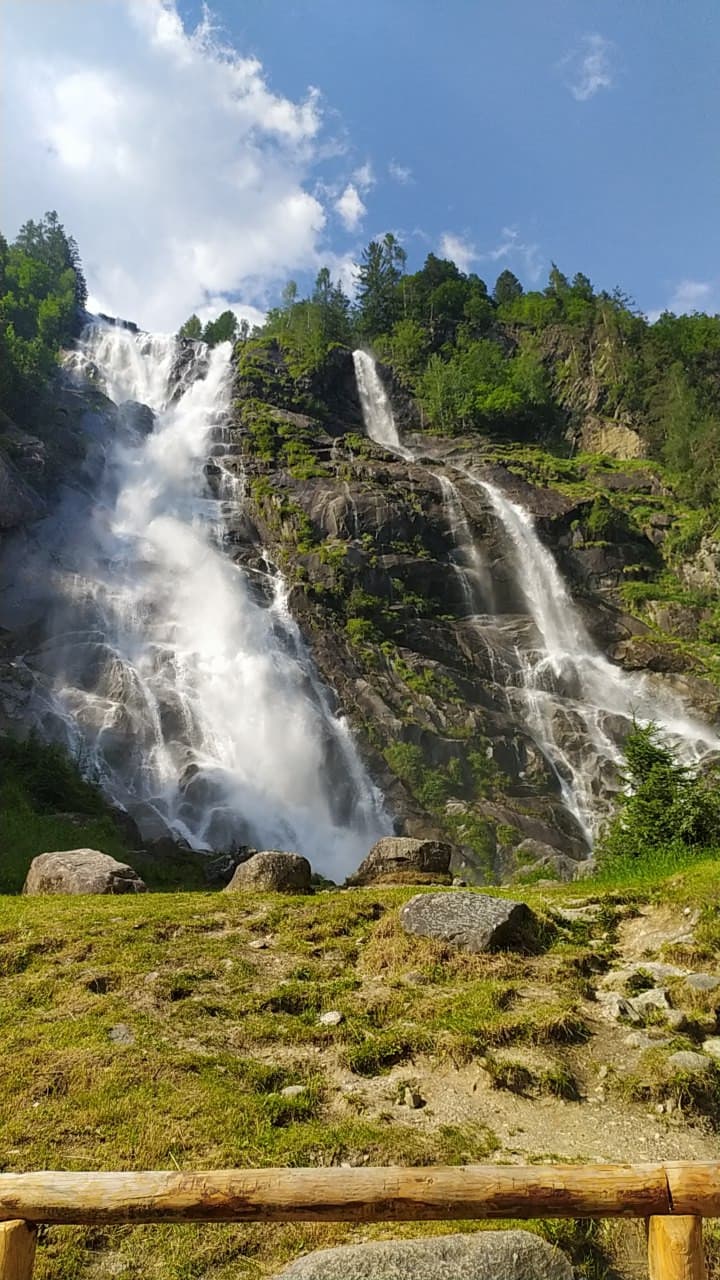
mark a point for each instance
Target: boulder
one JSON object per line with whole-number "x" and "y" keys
{"x": 485, "y": 1255}
{"x": 272, "y": 871}
{"x": 535, "y": 855}
{"x": 81, "y": 871}
{"x": 471, "y": 921}
{"x": 402, "y": 859}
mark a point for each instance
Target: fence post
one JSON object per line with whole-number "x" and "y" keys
{"x": 675, "y": 1248}
{"x": 17, "y": 1250}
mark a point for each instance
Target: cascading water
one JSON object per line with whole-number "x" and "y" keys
{"x": 579, "y": 705}
{"x": 198, "y": 707}
{"x": 472, "y": 572}
{"x": 375, "y": 404}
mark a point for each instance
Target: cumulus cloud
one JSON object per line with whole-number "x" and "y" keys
{"x": 588, "y": 68}
{"x": 458, "y": 249}
{"x": 689, "y": 296}
{"x": 183, "y": 177}
{"x": 400, "y": 173}
{"x": 364, "y": 178}
{"x": 350, "y": 207}
{"x": 523, "y": 252}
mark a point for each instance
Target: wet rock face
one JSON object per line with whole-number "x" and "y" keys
{"x": 80, "y": 871}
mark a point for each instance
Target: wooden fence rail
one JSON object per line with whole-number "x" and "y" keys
{"x": 673, "y": 1197}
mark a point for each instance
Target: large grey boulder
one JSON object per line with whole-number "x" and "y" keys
{"x": 471, "y": 921}
{"x": 485, "y": 1255}
{"x": 401, "y": 858}
{"x": 81, "y": 871}
{"x": 272, "y": 871}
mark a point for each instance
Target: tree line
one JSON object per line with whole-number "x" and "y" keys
{"x": 42, "y": 300}
{"x": 524, "y": 364}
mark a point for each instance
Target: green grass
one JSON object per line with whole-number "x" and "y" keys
{"x": 218, "y": 1030}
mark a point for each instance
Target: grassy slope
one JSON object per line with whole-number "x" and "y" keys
{"x": 218, "y": 1029}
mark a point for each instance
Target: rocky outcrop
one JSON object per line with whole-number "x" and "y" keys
{"x": 19, "y": 503}
{"x": 486, "y": 1255}
{"x": 616, "y": 439}
{"x": 471, "y": 922}
{"x": 401, "y": 860}
{"x": 80, "y": 871}
{"x": 272, "y": 871}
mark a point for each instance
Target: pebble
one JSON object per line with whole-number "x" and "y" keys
{"x": 121, "y": 1034}
{"x": 332, "y": 1018}
{"x": 602, "y": 1072}
{"x": 712, "y": 1047}
{"x": 293, "y": 1091}
{"x": 259, "y": 944}
{"x": 413, "y": 1099}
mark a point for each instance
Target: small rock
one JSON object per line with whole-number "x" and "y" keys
{"x": 293, "y": 1091}
{"x": 474, "y": 922}
{"x": 703, "y": 981}
{"x": 412, "y": 1098}
{"x": 712, "y": 1047}
{"x": 614, "y": 1006}
{"x": 272, "y": 871}
{"x": 603, "y": 1072}
{"x": 332, "y": 1018}
{"x": 121, "y": 1034}
{"x": 686, "y": 1060}
{"x": 655, "y": 998}
{"x": 676, "y": 1020}
{"x": 259, "y": 944}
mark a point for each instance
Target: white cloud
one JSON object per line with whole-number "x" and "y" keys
{"x": 511, "y": 246}
{"x": 181, "y": 174}
{"x": 458, "y": 249}
{"x": 364, "y": 178}
{"x": 588, "y": 68}
{"x": 524, "y": 254}
{"x": 350, "y": 207}
{"x": 400, "y": 172}
{"x": 689, "y": 296}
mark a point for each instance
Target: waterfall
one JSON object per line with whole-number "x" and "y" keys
{"x": 197, "y": 707}
{"x": 579, "y": 705}
{"x": 473, "y": 576}
{"x": 375, "y": 404}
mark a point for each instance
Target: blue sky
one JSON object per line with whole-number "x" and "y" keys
{"x": 513, "y": 134}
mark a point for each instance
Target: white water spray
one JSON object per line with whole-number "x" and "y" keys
{"x": 199, "y": 707}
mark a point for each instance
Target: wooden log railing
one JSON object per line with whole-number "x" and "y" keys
{"x": 673, "y": 1198}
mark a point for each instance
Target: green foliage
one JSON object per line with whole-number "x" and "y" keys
{"x": 223, "y": 329}
{"x": 42, "y": 294}
{"x": 379, "y": 273}
{"x": 192, "y": 328}
{"x": 665, "y": 808}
